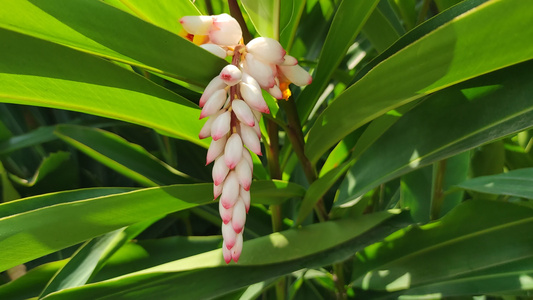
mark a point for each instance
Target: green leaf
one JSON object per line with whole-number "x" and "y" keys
{"x": 48, "y": 78}
{"x": 129, "y": 159}
{"x": 347, "y": 23}
{"x": 100, "y": 29}
{"x": 264, "y": 15}
{"x": 450, "y": 54}
{"x": 40, "y": 135}
{"x": 48, "y": 165}
{"x": 206, "y": 275}
{"x": 381, "y": 27}
{"x": 466, "y": 253}
{"x": 275, "y": 191}
{"x": 290, "y": 15}
{"x": 513, "y": 183}
{"x": 443, "y": 126}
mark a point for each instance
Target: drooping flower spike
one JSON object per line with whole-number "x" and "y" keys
{"x": 233, "y": 102}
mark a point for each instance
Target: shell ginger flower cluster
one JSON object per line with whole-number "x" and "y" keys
{"x": 234, "y": 103}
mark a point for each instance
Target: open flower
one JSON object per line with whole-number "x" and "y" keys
{"x": 233, "y": 103}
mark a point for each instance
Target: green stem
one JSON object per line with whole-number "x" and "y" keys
{"x": 423, "y": 12}
{"x": 438, "y": 190}
{"x": 339, "y": 280}
{"x": 272, "y": 153}
{"x": 277, "y": 6}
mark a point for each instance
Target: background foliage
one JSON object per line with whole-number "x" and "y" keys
{"x": 404, "y": 171}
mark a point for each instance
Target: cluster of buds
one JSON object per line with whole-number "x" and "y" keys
{"x": 234, "y": 103}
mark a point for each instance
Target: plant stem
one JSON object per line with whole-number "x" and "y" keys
{"x": 235, "y": 12}
{"x": 272, "y": 153}
{"x": 423, "y": 12}
{"x": 438, "y": 190}
{"x": 339, "y": 280}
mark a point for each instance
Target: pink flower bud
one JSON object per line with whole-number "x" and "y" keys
{"x": 257, "y": 130}
{"x": 226, "y": 253}
{"x": 206, "y": 129}
{"x": 220, "y": 170}
{"x": 225, "y": 31}
{"x": 197, "y": 24}
{"x": 231, "y": 75}
{"x": 229, "y": 235}
{"x": 225, "y": 213}
{"x": 250, "y": 139}
{"x": 215, "y": 149}
{"x": 259, "y": 71}
{"x": 215, "y": 49}
{"x": 248, "y": 158}
{"x": 221, "y": 126}
{"x": 217, "y": 190}
{"x": 275, "y": 92}
{"x": 296, "y": 75}
{"x": 246, "y": 78}
{"x": 253, "y": 97}
{"x": 237, "y": 248}
{"x": 245, "y": 196}
{"x": 230, "y": 190}
{"x": 289, "y": 61}
{"x": 233, "y": 151}
{"x": 239, "y": 216}
{"x": 267, "y": 50}
{"x": 244, "y": 174}
{"x": 214, "y": 103}
{"x": 214, "y": 85}
{"x": 243, "y": 112}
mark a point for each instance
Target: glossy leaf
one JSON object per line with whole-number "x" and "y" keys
{"x": 98, "y": 28}
{"x": 450, "y": 54}
{"x": 463, "y": 254}
{"x": 48, "y": 78}
{"x": 441, "y": 127}
{"x": 513, "y": 183}
{"x": 264, "y": 15}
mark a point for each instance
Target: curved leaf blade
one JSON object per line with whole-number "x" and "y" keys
{"x": 514, "y": 183}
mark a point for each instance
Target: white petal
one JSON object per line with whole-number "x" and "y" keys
{"x": 215, "y": 149}
{"x": 275, "y": 92}
{"x": 236, "y": 250}
{"x": 267, "y": 50}
{"x": 239, "y": 216}
{"x": 214, "y": 103}
{"x": 226, "y": 253}
{"x": 259, "y": 71}
{"x": 214, "y": 85}
{"x": 244, "y": 174}
{"x": 225, "y": 31}
{"x": 230, "y": 191}
{"x": 233, "y": 151}
{"x": 220, "y": 170}
{"x": 231, "y": 75}
{"x": 247, "y": 78}
{"x": 197, "y": 24}
{"x": 221, "y": 126}
{"x": 250, "y": 139}
{"x": 296, "y": 75}
{"x": 243, "y": 112}
{"x": 225, "y": 213}
{"x": 215, "y": 49}
{"x": 245, "y": 196}
{"x": 290, "y": 61}
{"x": 229, "y": 235}
{"x": 248, "y": 158}
{"x": 253, "y": 97}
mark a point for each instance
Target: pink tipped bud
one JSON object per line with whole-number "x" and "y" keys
{"x": 248, "y": 158}
{"x": 215, "y": 149}
{"x": 243, "y": 112}
{"x": 214, "y": 103}
{"x": 275, "y": 92}
{"x": 296, "y": 75}
{"x": 220, "y": 170}
{"x": 206, "y": 129}
{"x": 246, "y": 78}
{"x": 267, "y": 50}
{"x": 237, "y": 248}
{"x": 257, "y": 130}
{"x": 231, "y": 75}
{"x": 217, "y": 190}
{"x": 250, "y": 139}
{"x": 244, "y": 174}
{"x": 229, "y": 235}
{"x": 245, "y": 196}
{"x": 239, "y": 216}
{"x": 214, "y": 85}
{"x": 226, "y": 30}
{"x": 225, "y": 213}
{"x": 233, "y": 151}
{"x": 226, "y": 253}
{"x": 290, "y": 61}
{"x": 259, "y": 71}
{"x": 215, "y": 49}
{"x": 197, "y": 24}
{"x": 253, "y": 97}
{"x": 230, "y": 190}
{"x": 221, "y": 126}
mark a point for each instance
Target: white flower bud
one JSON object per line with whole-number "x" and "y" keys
{"x": 221, "y": 125}
{"x": 214, "y": 85}
{"x": 215, "y": 49}
{"x": 220, "y": 170}
{"x": 246, "y": 78}
{"x": 289, "y": 61}
{"x": 296, "y": 75}
{"x": 239, "y": 216}
{"x": 226, "y": 253}
{"x": 229, "y": 235}
{"x": 267, "y": 50}
{"x": 215, "y": 149}
{"x": 275, "y": 92}
{"x": 244, "y": 174}
{"x": 259, "y": 71}
{"x": 231, "y": 75}
{"x": 245, "y": 196}
{"x": 206, "y": 129}
{"x": 230, "y": 190}
{"x": 213, "y": 104}
{"x": 250, "y": 139}
{"x": 236, "y": 250}
{"x": 233, "y": 151}
{"x": 225, "y": 31}
{"x": 253, "y": 97}
{"x": 248, "y": 158}
{"x": 225, "y": 213}
{"x": 197, "y": 24}
{"x": 243, "y": 112}
{"x": 217, "y": 190}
